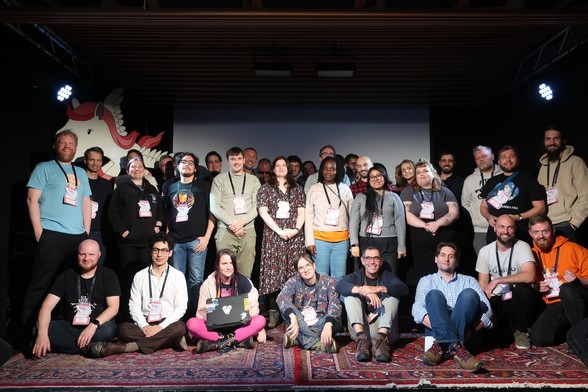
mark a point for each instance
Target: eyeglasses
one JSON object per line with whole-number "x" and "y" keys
{"x": 263, "y": 173}
{"x": 369, "y": 259}
{"x": 163, "y": 251}
{"x": 331, "y": 154}
{"x": 189, "y": 163}
{"x": 376, "y": 177}
{"x": 303, "y": 268}
{"x": 213, "y": 161}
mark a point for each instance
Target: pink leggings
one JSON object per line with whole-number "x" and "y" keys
{"x": 197, "y": 328}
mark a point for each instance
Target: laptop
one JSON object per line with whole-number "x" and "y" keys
{"x": 227, "y": 312}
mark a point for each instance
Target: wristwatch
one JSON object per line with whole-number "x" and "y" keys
{"x": 520, "y": 217}
{"x": 96, "y": 322}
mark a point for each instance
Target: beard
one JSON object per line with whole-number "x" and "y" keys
{"x": 554, "y": 155}
{"x": 65, "y": 156}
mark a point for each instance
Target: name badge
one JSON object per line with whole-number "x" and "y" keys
{"x": 239, "y": 205}
{"x": 144, "y": 209}
{"x": 427, "y": 210}
{"x": 283, "y": 210}
{"x": 552, "y": 195}
{"x": 332, "y": 218}
{"x": 83, "y": 312}
{"x": 71, "y": 196}
{"x": 375, "y": 228}
{"x": 155, "y": 312}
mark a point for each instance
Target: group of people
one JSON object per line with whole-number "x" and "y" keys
{"x": 530, "y": 278}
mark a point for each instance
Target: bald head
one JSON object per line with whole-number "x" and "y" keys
{"x": 364, "y": 164}
{"x": 88, "y": 255}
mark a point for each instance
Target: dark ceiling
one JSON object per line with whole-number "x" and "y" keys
{"x": 166, "y": 52}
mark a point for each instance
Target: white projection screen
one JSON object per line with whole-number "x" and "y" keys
{"x": 387, "y": 134}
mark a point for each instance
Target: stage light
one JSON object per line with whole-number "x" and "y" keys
{"x": 64, "y": 93}
{"x": 335, "y": 70}
{"x": 276, "y": 69}
{"x": 545, "y": 92}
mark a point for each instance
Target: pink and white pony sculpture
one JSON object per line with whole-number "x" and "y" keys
{"x": 101, "y": 124}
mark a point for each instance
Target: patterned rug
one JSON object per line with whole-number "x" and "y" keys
{"x": 269, "y": 367}
{"x": 550, "y": 367}
{"x": 266, "y": 366}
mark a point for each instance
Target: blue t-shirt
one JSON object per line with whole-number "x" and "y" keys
{"x": 56, "y": 215}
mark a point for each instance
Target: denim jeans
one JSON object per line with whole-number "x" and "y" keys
{"x": 64, "y": 336}
{"x": 331, "y": 258}
{"x": 449, "y": 325}
{"x": 184, "y": 253}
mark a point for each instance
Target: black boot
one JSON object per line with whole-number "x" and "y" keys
{"x": 225, "y": 342}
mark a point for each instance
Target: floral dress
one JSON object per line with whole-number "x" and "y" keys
{"x": 277, "y": 254}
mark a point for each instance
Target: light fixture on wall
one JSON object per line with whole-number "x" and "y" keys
{"x": 335, "y": 69}
{"x": 272, "y": 68}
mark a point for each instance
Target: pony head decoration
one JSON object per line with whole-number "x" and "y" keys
{"x": 101, "y": 124}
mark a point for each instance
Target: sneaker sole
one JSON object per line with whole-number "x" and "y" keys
{"x": 522, "y": 347}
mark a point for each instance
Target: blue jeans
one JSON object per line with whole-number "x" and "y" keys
{"x": 449, "y": 325}
{"x": 64, "y": 336}
{"x": 185, "y": 253}
{"x": 331, "y": 258}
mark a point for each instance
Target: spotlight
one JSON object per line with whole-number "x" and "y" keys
{"x": 545, "y": 92}
{"x": 276, "y": 69}
{"x": 64, "y": 93}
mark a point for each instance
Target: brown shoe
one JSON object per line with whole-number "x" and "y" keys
{"x": 381, "y": 349}
{"x": 464, "y": 359}
{"x": 112, "y": 348}
{"x": 363, "y": 348}
{"x": 434, "y": 355}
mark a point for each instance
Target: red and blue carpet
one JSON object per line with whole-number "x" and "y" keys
{"x": 269, "y": 367}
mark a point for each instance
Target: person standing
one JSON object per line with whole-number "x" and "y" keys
{"x": 60, "y": 209}
{"x": 362, "y": 166}
{"x": 378, "y": 219}
{"x": 189, "y": 221}
{"x": 451, "y": 306}
{"x": 513, "y": 192}
{"x": 249, "y": 160}
{"x": 87, "y": 298}
{"x": 326, "y": 151}
{"x": 431, "y": 211}
{"x": 101, "y": 194}
{"x": 233, "y": 201}
{"x": 451, "y": 180}
{"x": 565, "y": 178}
{"x": 136, "y": 215}
{"x": 311, "y": 307}
{"x": 326, "y": 228}
{"x": 281, "y": 205}
{"x": 472, "y": 188}
{"x": 562, "y": 282}
{"x": 214, "y": 164}
{"x": 506, "y": 270}
{"x": 371, "y": 296}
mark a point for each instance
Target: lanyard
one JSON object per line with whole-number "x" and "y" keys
{"x": 162, "y": 287}
{"x": 509, "y": 260}
{"x": 382, "y": 203}
{"x": 338, "y": 193}
{"x": 65, "y": 174}
{"x": 483, "y": 180}
{"x": 423, "y": 195}
{"x": 89, "y": 294}
{"x": 232, "y": 186}
{"x": 556, "y": 261}
{"x": 555, "y": 173}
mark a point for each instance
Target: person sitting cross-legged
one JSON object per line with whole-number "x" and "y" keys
{"x": 223, "y": 282}
{"x": 84, "y": 301}
{"x": 159, "y": 299}
{"x": 451, "y": 306}
{"x": 371, "y": 297}
{"x": 311, "y": 307}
